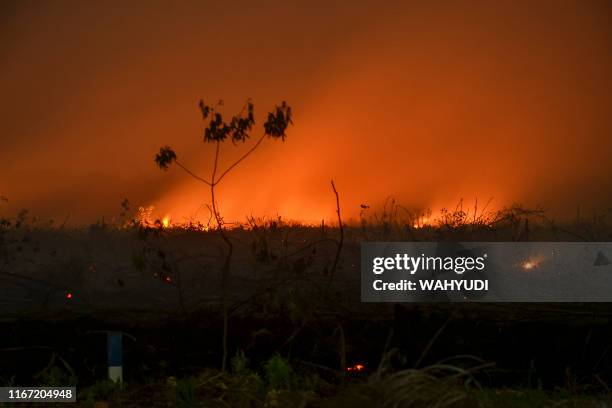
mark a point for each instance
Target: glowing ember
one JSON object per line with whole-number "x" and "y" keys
{"x": 356, "y": 368}
{"x": 529, "y": 264}
{"x": 68, "y": 295}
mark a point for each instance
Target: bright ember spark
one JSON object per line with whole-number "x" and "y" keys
{"x": 529, "y": 265}
{"x": 356, "y": 367}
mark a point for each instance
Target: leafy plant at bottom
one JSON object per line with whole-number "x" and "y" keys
{"x": 186, "y": 393}
{"x": 278, "y": 372}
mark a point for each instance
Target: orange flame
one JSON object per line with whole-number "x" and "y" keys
{"x": 166, "y": 221}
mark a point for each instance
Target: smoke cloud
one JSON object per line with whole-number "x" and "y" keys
{"x": 427, "y": 102}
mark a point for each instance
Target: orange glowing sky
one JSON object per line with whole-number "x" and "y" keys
{"x": 424, "y": 101}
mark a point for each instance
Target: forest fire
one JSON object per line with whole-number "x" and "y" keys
{"x": 334, "y": 136}
{"x": 290, "y": 204}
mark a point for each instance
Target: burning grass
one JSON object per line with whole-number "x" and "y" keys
{"x": 308, "y": 340}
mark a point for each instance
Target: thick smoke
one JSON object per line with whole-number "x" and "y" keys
{"x": 423, "y": 101}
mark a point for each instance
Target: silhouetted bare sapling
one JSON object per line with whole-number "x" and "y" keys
{"x": 217, "y": 131}
{"x": 341, "y": 241}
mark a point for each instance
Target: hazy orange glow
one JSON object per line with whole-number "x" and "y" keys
{"x": 427, "y": 102}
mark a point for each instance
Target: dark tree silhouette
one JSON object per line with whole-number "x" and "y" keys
{"x": 237, "y": 129}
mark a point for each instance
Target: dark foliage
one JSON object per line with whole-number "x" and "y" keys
{"x": 237, "y": 128}
{"x": 165, "y": 157}
{"x": 278, "y": 121}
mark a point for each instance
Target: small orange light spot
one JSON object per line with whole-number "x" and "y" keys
{"x": 68, "y": 295}
{"x": 356, "y": 367}
{"x": 168, "y": 279}
{"x": 529, "y": 265}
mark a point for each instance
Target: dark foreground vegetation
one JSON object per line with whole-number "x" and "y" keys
{"x": 297, "y": 334}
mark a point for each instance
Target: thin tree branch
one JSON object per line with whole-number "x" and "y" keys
{"x": 244, "y": 156}
{"x": 226, "y": 265}
{"x": 244, "y": 106}
{"x": 216, "y": 163}
{"x": 212, "y": 191}
{"x": 337, "y": 258}
{"x": 195, "y": 176}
